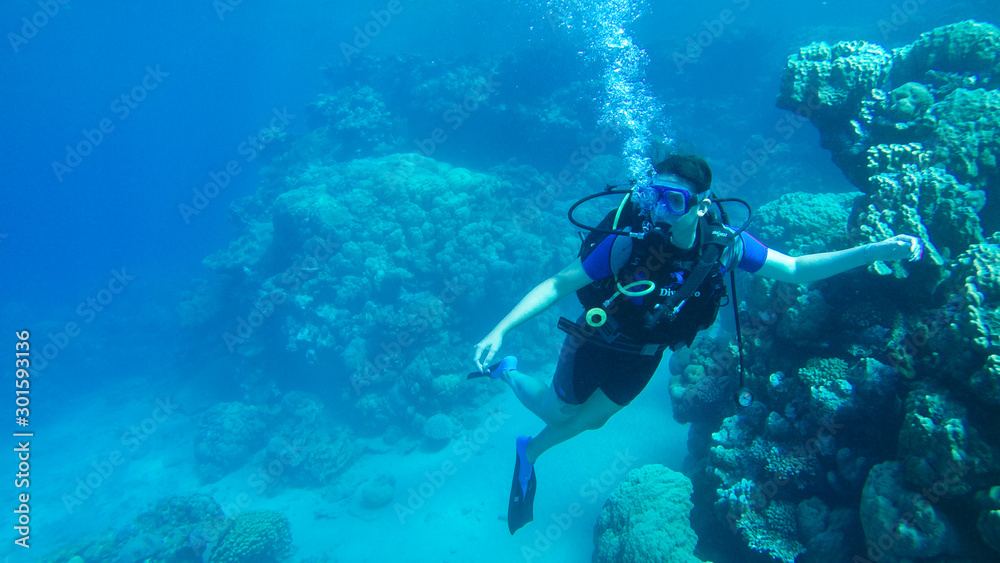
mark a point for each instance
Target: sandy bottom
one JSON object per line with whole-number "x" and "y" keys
{"x": 449, "y": 505}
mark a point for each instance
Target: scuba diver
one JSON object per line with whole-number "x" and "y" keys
{"x": 650, "y": 277}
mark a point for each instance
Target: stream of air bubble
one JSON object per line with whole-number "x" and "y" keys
{"x": 628, "y": 107}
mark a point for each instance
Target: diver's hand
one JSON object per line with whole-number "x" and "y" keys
{"x": 900, "y": 247}
{"x": 487, "y": 349}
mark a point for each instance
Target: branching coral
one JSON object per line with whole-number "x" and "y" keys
{"x": 773, "y": 532}
{"x": 893, "y": 158}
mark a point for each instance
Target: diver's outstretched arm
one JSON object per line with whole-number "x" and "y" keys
{"x": 543, "y": 296}
{"x": 812, "y": 267}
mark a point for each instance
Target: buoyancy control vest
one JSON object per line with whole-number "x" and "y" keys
{"x": 676, "y": 310}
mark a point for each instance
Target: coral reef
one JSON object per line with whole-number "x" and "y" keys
{"x": 988, "y": 522}
{"x": 229, "y": 433}
{"x": 833, "y": 80}
{"x": 957, "y": 50}
{"x": 374, "y": 262}
{"x": 799, "y": 223}
{"x": 968, "y": 146}
{"x": 773, "y": 532}
{"x": 958, "y": 341}
{"x": 912, "y": 354}
{"x": 900, "y": 521}
{"x": 703, "y": 379}
{"x": 263, "y": 536}
{"x": 476, "y": 103}
{"x": 357, "y": 122}
{"x": 645, "y": 519}
{"x": 922, "y": 150}
{"x": 176, "y": 528}
{"x": 941, "y": 448}
{"x": 929, "y": 204}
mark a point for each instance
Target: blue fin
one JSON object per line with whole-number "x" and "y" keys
{"x": 522, "y": 489}
{"x": 507, "y": 364}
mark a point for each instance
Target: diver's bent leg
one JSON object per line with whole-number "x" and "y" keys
{"x": 591, "y": 415}
{"x": 536, "y": 396}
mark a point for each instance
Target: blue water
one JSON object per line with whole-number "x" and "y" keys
{"x": 179, "y": 87}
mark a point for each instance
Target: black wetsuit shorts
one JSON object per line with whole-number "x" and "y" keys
{"x": 585, "y": 367}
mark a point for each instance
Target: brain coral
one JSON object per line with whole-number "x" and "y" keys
{"x": 909, "y": 102}
{"x": 439, "y": 428}
{"x": 646, "y": 519}
{"x": 254, "y": 537}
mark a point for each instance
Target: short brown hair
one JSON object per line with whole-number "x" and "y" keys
{"x": 692, "y": 168}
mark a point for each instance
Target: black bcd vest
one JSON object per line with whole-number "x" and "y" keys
{"x": 668, "y": 267}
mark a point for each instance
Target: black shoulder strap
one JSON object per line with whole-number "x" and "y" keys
{"x": 714, "y": 238}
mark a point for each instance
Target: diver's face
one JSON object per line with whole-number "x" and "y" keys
{"x": 677, "y": 205}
